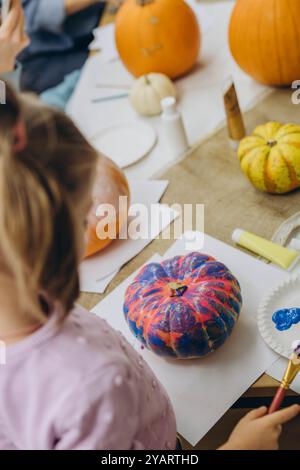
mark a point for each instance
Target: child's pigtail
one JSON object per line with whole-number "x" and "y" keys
{"x": 37, "y": 238}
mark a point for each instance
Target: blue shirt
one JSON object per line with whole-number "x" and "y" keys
{"x": 56, "y": 97}
{"x": 59, "y": 43}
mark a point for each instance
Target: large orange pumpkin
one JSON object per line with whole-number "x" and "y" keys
{"x": 160, "y": 36}
{"x": 111, "y": 183}
{"x": 264, "y": 38}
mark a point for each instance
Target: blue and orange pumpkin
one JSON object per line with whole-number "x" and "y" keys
{"x": 185, "y": 307}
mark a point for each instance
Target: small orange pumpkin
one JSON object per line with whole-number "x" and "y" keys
{"x": 161, "y": 36}
{"x": 264, "y": 38}
{"x": 111, "y": 183}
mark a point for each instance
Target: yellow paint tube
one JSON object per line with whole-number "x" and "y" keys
{"x": 284, "y": 257}
{"x": 235, "y": 122}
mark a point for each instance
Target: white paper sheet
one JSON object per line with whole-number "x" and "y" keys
{"x": 97, "y": 287}
{"x": 200, "y": 95}
{"x": 104, "y": 266}
{"x": 202, "y": 390}
{"x": 107, "y": 263}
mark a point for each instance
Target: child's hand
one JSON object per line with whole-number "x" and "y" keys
{"x": 259, "y": 431}
{"x": 12, "y": 37}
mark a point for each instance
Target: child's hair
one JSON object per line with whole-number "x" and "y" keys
{"x": 40, "y": 188}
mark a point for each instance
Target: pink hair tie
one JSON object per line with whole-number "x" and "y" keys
{"x": 20, "y": 137}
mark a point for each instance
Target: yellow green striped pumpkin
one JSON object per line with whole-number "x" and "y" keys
{"x": 270, "y": 157}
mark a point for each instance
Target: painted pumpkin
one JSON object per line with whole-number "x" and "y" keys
{"x": 148, "y": 91}
{"x": 184, "y": 307}
{"x": 160, "y": 36}
{"x": 111, "y": 183}
{"x": 270, "y": 158}
{"x": 264, "y": 38}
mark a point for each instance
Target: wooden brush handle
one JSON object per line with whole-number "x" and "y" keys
{"x": 277, "y": 400}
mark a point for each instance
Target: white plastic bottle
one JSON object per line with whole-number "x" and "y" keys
{"x": 174, "y": 130}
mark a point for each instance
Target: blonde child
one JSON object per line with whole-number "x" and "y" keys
{"x": 70, "y": 381}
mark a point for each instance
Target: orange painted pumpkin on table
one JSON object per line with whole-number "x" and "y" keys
{"x": 110, "y": 184}
{"x": 264, "y": 38}
{"x": 161, "y": 36}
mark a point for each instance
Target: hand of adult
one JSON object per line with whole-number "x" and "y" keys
{"x": 13, "y": 38}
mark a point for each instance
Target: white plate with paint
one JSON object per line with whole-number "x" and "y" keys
{"x": 285, "y": 296}
{"x": 125, "y": 143}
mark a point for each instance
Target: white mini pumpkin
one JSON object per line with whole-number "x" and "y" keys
{"x": 148, "y": 91}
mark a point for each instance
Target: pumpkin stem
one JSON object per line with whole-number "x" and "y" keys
{"x": 142, "y": 3}
{"x": 177, "y": 289}
{"x": 272, "y": 143}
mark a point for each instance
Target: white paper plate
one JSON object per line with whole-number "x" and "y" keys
{"x": 286, "y": 294}
{"x": 125, "y": 143}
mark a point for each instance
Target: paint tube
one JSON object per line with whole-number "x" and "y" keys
{"x": 283, "y": 257}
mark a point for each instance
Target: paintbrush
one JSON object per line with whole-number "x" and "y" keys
{"x": 113, "y": 86}
{"x": 290, "y": 374}
{"x": 110, "y": 98}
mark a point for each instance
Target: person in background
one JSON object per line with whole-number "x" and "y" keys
{"x": 70, "y": 381}
{"x": 60, "y": 32}
{"x": 13, "y": 38}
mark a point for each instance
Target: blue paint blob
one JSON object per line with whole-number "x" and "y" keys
{"x": 286, "y": 317}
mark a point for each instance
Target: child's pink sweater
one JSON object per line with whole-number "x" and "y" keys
{"x": 81, "y": 387}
